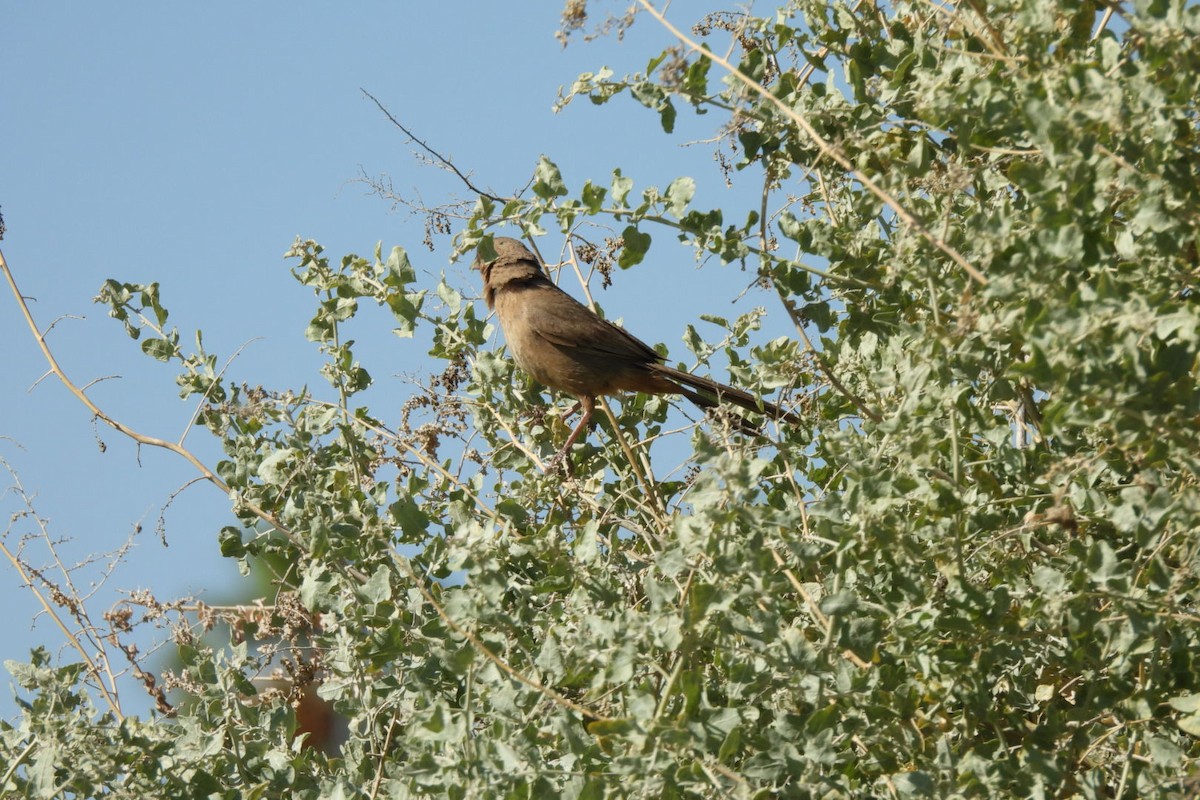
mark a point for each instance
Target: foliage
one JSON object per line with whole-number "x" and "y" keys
{"x": 974, "y": 573}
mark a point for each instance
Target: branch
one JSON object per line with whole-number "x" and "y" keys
{"x": 445, "y": 162}
{"x": 37, "y": 586}
{"x": 825, "y": 147}
{"x": 858, "y": 402}
{"x": 119, "y": 427}
{"x": 1103, "y": 23}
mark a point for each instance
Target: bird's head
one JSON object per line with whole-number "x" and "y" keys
{"x": 512, "y": 263}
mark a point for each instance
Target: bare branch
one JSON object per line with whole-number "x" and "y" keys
{"x": 120, "y": 427}
{"x": 445, "y": 162}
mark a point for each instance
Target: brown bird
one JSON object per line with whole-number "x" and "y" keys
{"x": 563, "y": 344}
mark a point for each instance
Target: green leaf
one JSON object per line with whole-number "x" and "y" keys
{"x": 695, "y": 82}
{"x": 914, "y": 784}
{"x": 230, "y": 540}
{"x": 159, "y": 349}
{"x": 399, "y": 269}
{"x": 548, "y": 180}
{"x": 317, "y": 591}
{"x": 840, "y": 603}
{"x": 378, "y": 588}
{"x": 593, "y": 196}
{"x": 654, "y": 97}
{"x": 621, "y": 186}
{"x": 277, "y": 467}
{"x": 636, "y": 245}
{"x": 789, "y": 226}
{"x": 1187, "y": 703}
{"x": 679, "y": 195}
{"x": 1190, "y": 725}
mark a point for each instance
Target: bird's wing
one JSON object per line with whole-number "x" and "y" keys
{"x": 561, "y": 323}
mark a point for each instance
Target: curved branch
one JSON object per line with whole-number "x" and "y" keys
{"x": 122, "y": 428}
{"x": 825, "y": 147}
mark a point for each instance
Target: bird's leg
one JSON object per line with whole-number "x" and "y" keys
{"x": 588, "y": 404}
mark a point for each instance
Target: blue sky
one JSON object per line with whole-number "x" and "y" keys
{"x": 190, "y": 145}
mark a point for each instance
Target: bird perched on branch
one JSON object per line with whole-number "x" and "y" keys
{"x": 563, "y": 344}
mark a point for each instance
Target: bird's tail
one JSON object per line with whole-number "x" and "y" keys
{"x": 708, "y": 394}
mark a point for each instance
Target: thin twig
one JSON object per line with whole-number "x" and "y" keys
{"x": 120, "y": 427}
{"x": 429, "y": 463}
{"x": 387, "y": 743}
{"x": 813, "y": 607}
{"x": 993, "y": 41}
{"x": 70, "y": 600}
{"x": 445, "y": 162}
{"x": 113, "y": 702}
{"x": 514, "y": 440}
{"x": 18, "y": 761}
{"x": 833, "y": 220}
{"x": 858, "y": 402}
{"x": 216, "y": 382}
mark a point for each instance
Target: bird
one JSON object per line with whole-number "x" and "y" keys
{"x": 563, "y": 344}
